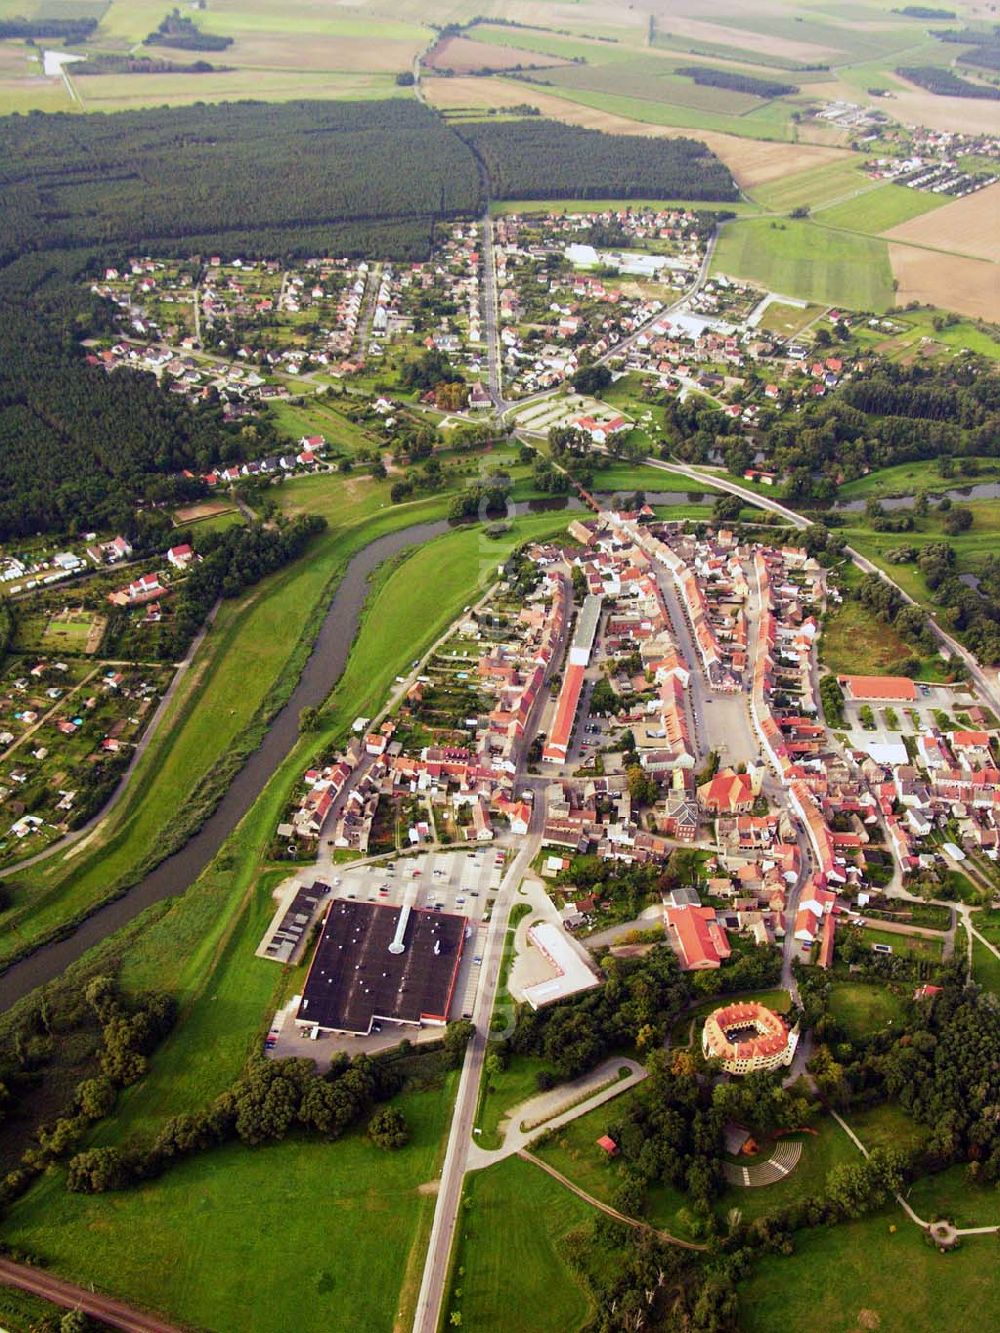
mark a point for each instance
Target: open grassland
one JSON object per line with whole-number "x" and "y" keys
{"x": 855, "y": 640}
{"x": 917, "y": 336}
{"x": 874, "y": 211}
{"x": 508, "y": 1252}
{"x": 863, "y": 1008}
{"x": 985, "y": 967}
{"x": 969, "y": 226}
{"x": 878, "y": 1273}
{"x": 816, "y": 185}
{"x": 809, "y": 262}
{"x": 349, "y": 1213}
{"x": 912, "y": 478}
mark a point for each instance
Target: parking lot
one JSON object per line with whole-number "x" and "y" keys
{"x": 463, "y": 882}
{"x": 913, "y": 719}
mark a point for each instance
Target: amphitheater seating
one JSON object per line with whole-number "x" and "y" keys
{"x": 781, "y": 1163}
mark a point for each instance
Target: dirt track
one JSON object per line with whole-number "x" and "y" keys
{"x": 72, "y": 1297}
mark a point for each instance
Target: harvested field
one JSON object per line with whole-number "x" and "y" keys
{"x": 743, "y": 39}
{"x": 751, "y": 161}
{"x": 464, "y": 55}
{"x": 208, "y": 509}
{"x": 966, "y": 115}
{"x": 311, "y": 51}
{"x": 967, "y": 286}
{"x": 969, "y": 226}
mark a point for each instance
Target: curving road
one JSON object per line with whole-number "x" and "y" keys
{"x": 71, "y": 1297}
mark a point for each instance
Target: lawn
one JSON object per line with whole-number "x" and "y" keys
{"x": 952, "y": 1195}
{"x": 573, "y": 1151}
{"x": 985, "y": 966}
{"x": 863, "y": 1008}
{"x": 348, "y": 1216}
{"x": 507, "y": 1269}
{"x": 915, "y": 947}
{"x": 878, "y": 1273}
{"x": 797, "y": 258}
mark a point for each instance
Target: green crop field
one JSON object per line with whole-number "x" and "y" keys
{"x": 876, "y": 210}
{"x": 812, "y": 263}
{"x": 874, "y": 1274}
{"x": 508, "y": 1252}
{"x": 811, "y": 188}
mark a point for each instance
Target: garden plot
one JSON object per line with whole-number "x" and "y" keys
{"x": 564, "y": 411}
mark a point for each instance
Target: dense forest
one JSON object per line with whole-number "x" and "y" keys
{"x": 946, "y": 84}
{"x": 77, "y": 444}
{"x": 735, "y": 82}
{"x": 542, "y": 159}
{"x": 180, "y": 178}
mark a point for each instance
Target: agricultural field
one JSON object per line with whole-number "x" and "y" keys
{"x": 811, "y": 263}
{"x": 876, "y": 211}
{"x": 964, "y": 226}
{"x": 951, "y": 282}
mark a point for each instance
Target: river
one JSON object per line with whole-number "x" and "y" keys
{"x": 984, "y": 490}
{"x": 172, "y": 876}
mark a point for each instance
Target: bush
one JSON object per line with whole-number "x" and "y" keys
{"x": 388, "y": 1129}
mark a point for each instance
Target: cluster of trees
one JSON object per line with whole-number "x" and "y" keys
{"x": 945, "y": 83}
{"x": 181, "y": 31}
{"x": 636, "y": 1006}
{"x": 105, "y": 64}
{"x": 735, "y": 82}
{"x": 231, "y": 561}
{"x": 543, "y": 158}
{"x": 130, "y": 1030}
{"x": 908, "y": 621}
{"x": 832, "y": 699}
{"x": 68, "y": 31}
{"x": 262, "y": 1106}
{"x": 271, "y": 1099}
{"x": 487, "y": 498}
{"x": 974, "y": 613}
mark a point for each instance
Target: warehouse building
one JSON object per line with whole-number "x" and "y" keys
{"x": 377, "y": 963}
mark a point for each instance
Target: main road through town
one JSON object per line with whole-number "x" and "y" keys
{"x": 449, "y": 1197}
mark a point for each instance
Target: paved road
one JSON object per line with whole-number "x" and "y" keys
{"x": 432, "y": 1286}
{"x": 115, "y": 1313}
{"x": 625, "y": 343}
{"x": 987, "y": 688}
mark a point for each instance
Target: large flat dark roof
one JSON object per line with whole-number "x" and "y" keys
{"x": 355, "y": 980}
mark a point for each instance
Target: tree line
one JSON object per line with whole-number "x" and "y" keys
{"x": 738, "y": 83}
{"x": 539, "y": 159}
{"x": 945, "y": 83}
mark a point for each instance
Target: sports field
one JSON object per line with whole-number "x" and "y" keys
{"x": 806, "y": 261}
